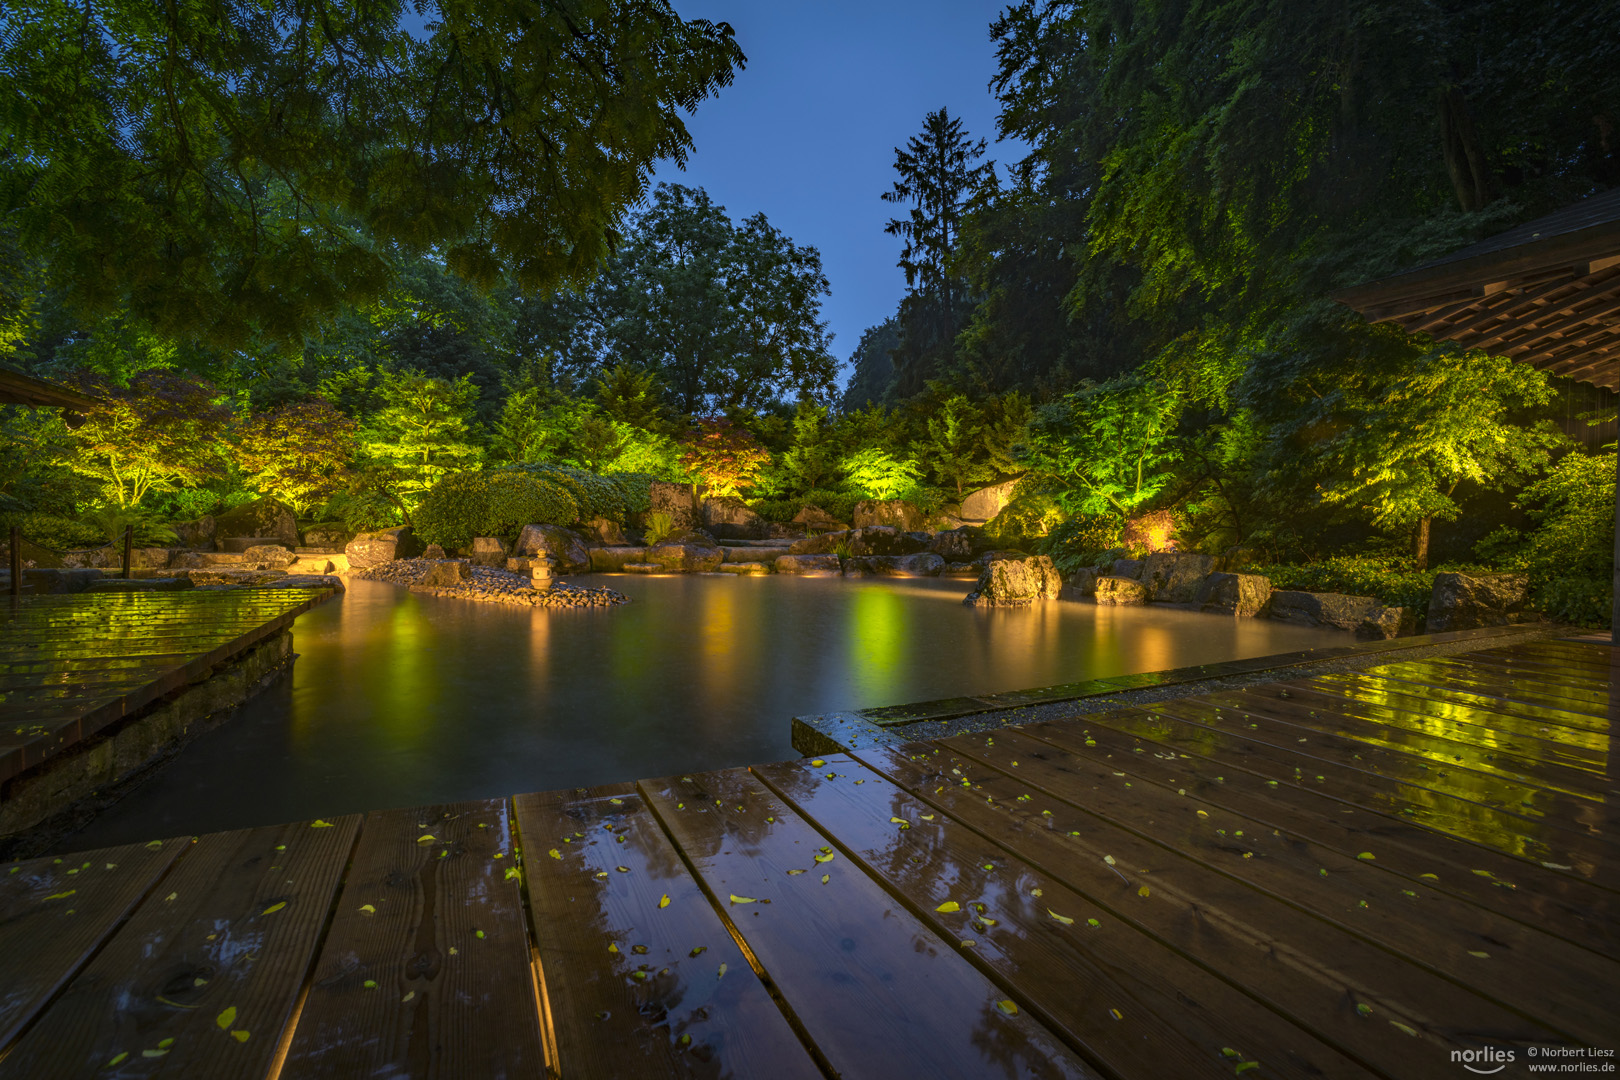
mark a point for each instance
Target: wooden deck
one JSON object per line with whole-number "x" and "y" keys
{"x": 70, "y": 665}
{"x": 1347, "y": 875}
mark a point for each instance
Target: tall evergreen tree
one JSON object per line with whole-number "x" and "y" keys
{"x": 938, "y": 177}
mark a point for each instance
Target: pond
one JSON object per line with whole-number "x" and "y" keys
{"x": 401, "y": 699}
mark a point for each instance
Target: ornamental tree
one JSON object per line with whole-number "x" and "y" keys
{"x": 722, "y": 456}
{"x": 878, "y": 474}
{"x": 159, "y": 431}
{"x": 296, "y": 453}
{"x": 423, "y": 433}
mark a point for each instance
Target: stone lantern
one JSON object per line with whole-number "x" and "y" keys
{"x": 540, "y": 568}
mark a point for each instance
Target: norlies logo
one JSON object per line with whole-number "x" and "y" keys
{"x": 1484, "y": 1062}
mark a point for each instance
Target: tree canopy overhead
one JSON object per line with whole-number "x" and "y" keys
{"x": 224, "y": 168}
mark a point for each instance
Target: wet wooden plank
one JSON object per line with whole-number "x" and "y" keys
{"x": 1510, "y": 806}
{"x": 223, "y": 946}
{"x": 1471, "y": 721}
{"x": 633, "y": 983}
{"x": 1517, "y": 967}
{"x": 1301, "y": 967}
{"x": 1538, "y": 693}
{"x": 425, "y": 971}
{"x": 1427, "y": 737}
{"x": 1174, "y": 1018}
{"x": 1561, "y": 904}
{"x": 1567, "y": 674}
{"x": 1512, "y": 844}
{"x": 878, "y": 992}
{"x": 1542, "y": 716}
{"x": 55, "y": 913}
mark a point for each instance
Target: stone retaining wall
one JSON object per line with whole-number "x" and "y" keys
{"x": 55, "y": 788}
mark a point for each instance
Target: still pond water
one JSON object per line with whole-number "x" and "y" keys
{"x": 399, "y": 699}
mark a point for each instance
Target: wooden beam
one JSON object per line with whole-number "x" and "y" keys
{"x": 1527, "y": 301}
{"x": 1536, "y": 334}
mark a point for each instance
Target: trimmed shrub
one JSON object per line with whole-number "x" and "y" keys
{"x": 50, "y": 531}
{"x": 497, "y": 503}
{"x": 596, "y": 496}
{"x": 1389, "y": 578}
{"x": 636, "y": 488}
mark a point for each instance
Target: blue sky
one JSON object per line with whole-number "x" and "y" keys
{"x": 807, "y": 133}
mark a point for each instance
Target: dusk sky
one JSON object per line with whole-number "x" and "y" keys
{"x": 807, "y": 133}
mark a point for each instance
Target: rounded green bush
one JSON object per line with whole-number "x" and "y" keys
{"x": 596, "y": 496}
{"x": 499, "y": 503}
{"x": 637, "y": 490}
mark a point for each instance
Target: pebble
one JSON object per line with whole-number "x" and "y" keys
{"x": 492, "y": 585}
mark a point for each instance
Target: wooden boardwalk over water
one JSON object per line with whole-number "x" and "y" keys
{"x": 1346, "y": 875}
{"x": 72, "y": 665}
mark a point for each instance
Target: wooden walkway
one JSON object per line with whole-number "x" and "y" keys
{"x": 1341, "y": 876}
{"x": 70, "y": 665}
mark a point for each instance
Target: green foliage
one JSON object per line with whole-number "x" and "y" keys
{"x": 1113, "y": 443}
{"x": 1082, "y": 541}
{"x": 296, "y": 452}
{"x": 1406, "y": 441}
{"x": 635, "y": 489}
{"x": 1569, "y": 549}
{"x": 595, "y": 496}
{"x": 159, "y": 431}
{"x": 725, "y": 315}
{"x": 54, "y": 531}
{"x": 1390, "y": 578}
{"x": 813, "y": 456}
{"x": 109, "y": 522}
{"x": 422, "y": 433}
{"x": 878, "y": 474}
{"x": 228, "y": 166}
{"x": 659, "y": 526}
{"x": 723, "y": 456}
{"x": 1023, "y": 522}
{"x": 496, "y": 503}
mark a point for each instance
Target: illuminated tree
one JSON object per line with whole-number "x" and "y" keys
{"x": 423, "y": 432}
{"x": 160, "y": 431}
{"x": 723, "y": 456}
{"x": 296, "y": 453}
{"x": 878, "y": 474}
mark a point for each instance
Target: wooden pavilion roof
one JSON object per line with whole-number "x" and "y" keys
{"x": 19, "y": 389}
{"x": 1546, "y": 293}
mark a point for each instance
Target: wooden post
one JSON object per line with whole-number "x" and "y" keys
{"x": 129, "y": 541}
{"x": 16, "y": 561}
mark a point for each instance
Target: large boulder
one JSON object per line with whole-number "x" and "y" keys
{"x": 268, "y": 557}
{"x": 566, "y": 547}
{"x": 1387, "y": 622}
{"x": 330, "y": 534}
{"x": 953, "y": 545}
{"x": 902, "y": 515}
{"x": 924, "y": 564}
{"x": 820, "y": 544}
{"x": 691, "y": 551}
{"x": 370, "y": 549}
{"x": 1468, "y": 601}
{"x": 1173, "y": 578}
{"x": 605, "y": 532}
{"x": 756, "y": 552}
{"x": 197, "y": 534}
{"x": 1082, "y": 585}
{"x": 447, "y": 574}
{"x": 1323, "y": 609}
{"x": 1117, "y": 591}
{"x": 604, "y": 560}
{"x": 1127, "y": 568}
{"x": 1016, "y": 582}
{"x": 984, "y": 559}
{"x": 982, "y": 505}
{"x": 678, "y": 501}
{"x": 884, "y": 540}
{"x": 809, "y": 565}
{"x": 489, "y": 551}
{"x": 1235, "y": 594}
{"x": 815, "y": 519}
{"x": 728, "y": 518}
{"x": 267, "y": 517}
